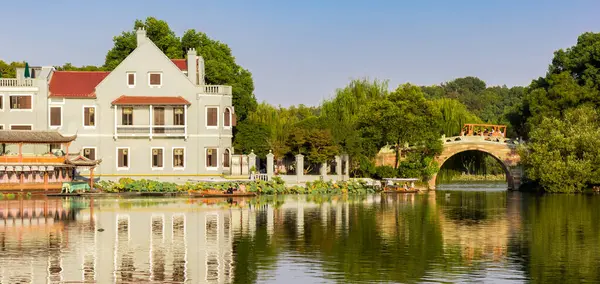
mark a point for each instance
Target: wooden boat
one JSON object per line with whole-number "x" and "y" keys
{"x": 401, "y": 191}
{"x": 222, "y": 194}
{"x": 393, "y": 185}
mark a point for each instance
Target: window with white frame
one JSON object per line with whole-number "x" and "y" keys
{"x": 1, "y": 102}
{"x": 127, "y": 116}
{"x": 131, "y": 79}
{"x": 20, "y": 102}
{"x": 123, "y": 156}
{"x": 89, "y": 116}
{"x": 178, "y": 157}
{"x": 178, "y": 116}
{"x": 157, "y": 158}
{"x": 89, "y": 152}
{"x": 55, "y": 116}
{"x": 155, "y": 79}
{"x": 211, "y": 157}
{"x": 1, "y": 126}
{"x": 226, "y": 158}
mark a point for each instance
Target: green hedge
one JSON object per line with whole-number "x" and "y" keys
{"x": 276, "y": 186}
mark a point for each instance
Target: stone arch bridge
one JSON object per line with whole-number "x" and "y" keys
{"x": 502, "y": 149}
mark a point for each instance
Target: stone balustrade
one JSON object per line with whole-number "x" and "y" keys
{"x": 12, "y": 82}
{"x": 217, "y": 89}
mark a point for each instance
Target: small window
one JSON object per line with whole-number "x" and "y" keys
{"x": 178, "y": 116}
{"x": 1, "y": 127}
{"x": 227, "y": 118}
{"x": 226, "y": 158}
{"x": 123, "y": 158}
{"x": 20, "y": 102}
{"x": 178, "y": 158}
{"x": 157, "y": 157}
{"x": 89, "y": 153}
{"x": 131, "y": 79}
{"x": 211, "y": 158}
{"x": 155, "y": 79}
{"x": 127, "y": 116}
{"x": 55, "y": 116}
{"x": 1, "y": 102}
{"x": 89, "y": 116}
{"x": 55, "y": 147}
{"x": 212, "y": 116}
{"x": 20, "y": 127}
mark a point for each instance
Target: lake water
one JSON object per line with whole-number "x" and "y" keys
{"x": 460, "y": 233}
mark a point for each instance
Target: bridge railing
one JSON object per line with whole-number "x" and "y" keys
{"x": 480, "y": 139}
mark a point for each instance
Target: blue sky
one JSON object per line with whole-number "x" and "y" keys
{"x": 301, "y": 51}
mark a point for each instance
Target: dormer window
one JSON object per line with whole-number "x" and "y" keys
{"x": 155, "y": 79}
{"x": 131, "y": 79}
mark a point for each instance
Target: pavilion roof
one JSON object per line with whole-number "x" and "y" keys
{"x": 33, "y": 137}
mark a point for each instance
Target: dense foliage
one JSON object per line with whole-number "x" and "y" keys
{"x": 275, "y": 186}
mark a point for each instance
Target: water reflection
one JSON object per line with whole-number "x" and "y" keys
{"x": 449, "y": 235}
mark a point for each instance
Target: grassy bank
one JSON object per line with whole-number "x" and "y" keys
{"x": 275, "y": 186}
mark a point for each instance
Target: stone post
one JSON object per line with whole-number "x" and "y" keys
{"x": 270, "y": 164}
{"x": 299, "y": 166}
{"x": 338, "y": 167}
{"x": 251, "y": 161}
{"x": 347, "y": 164}
{"x": 323, "y": 170}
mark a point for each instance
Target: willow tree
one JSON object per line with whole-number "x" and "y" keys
{"x": 341, "y": 114}
{"x": 453, "y": 115}
{"x": 278, "y": 122}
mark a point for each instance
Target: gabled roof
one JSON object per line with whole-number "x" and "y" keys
{"x": 75, "y": 84}
{"x": 139, "y": 100}
{"x": 181, "y": 64}
{"x": 33, "y": 136}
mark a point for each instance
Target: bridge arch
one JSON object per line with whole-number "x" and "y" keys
{"x": 504, "y": 151}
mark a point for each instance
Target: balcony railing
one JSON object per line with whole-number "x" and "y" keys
{"x": 32, "y": 159}
{"x": 217, "y": 90}
{"x": 11, "y": 82}
{"x": 151, "y": 130}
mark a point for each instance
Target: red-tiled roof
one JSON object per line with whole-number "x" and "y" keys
{"x": 75, "y": 84}
{"x": 135, "y": 100}
{"x": 181, "y": 64}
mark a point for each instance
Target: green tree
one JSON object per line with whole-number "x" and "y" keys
{"x": 8, "y": 70}
{"x": 341, "y": 114}
{"x": 563, "y": 154}
{"x": 404, "y": 117}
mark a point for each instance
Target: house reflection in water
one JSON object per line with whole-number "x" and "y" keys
{"x": 136, "y": 243}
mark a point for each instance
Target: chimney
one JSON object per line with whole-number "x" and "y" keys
{"x": 191, "y": 66}
{"x": 200, "y": 70}
{"x": 141, "y": 36}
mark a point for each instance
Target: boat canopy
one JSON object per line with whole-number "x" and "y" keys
{"x": 401, "y": 179}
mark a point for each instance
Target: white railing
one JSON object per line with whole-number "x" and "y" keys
{"x": 478, "y": 138}
{"x": 12, "y": 82}
{"x": 151, "y": 130}
{"x": 263, "y": 177}
{"x": 217, "y": 90}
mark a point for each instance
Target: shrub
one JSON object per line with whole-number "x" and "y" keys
{"x": 384, "y": 172}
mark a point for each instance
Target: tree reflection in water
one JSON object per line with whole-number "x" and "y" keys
{"x": 481, "y": 236}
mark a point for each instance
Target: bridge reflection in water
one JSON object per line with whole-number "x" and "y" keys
{"x": 182, "y": 240}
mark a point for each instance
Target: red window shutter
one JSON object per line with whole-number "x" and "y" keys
{"x": 20, "y": 127}
{"x": 227, "y": 119}
{"x": 121, "y": 158}
{"x": 131, "y": 79}
{"x": 212, "y": 116}
{"x": 55, "y": 116}
{"x": 26, "y": 102}
{"x": 155, "y": 79}
{"x": 234, "y": 120}
{"x": 160, "y": 158}
{"x": 86, "y": 116}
